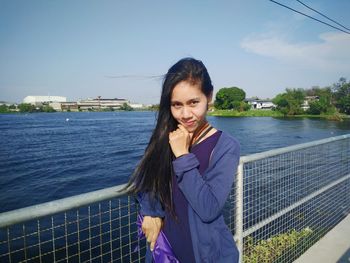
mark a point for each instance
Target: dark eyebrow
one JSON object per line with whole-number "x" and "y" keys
{"x": 189, "y": 101}
{"x": 194, "y": 99}
{"x": 174, "y": 101}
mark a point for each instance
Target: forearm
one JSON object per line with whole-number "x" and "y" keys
{"x": 206, "y": 194}
{"x": 150, "y": 207}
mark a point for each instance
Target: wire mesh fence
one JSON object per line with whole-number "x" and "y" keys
{"x": 291, "y": 199}
{"x": 100, "y": 232}
{"x": 282, "y": 202}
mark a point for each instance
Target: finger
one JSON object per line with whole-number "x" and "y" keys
{"x": 182, "y": 128}
{"x": 153, "y": 240}
{"x": 152, "y": 245}
{"x": 149, "y": 239}
{"x": 173, "y": 133}
{"x": 172, "y": 136}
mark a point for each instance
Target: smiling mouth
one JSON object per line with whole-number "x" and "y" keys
{"x": 190, "y": 123}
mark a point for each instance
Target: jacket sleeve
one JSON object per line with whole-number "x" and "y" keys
{"x": 207, "y": 194}
{"x": 149, "y": 208}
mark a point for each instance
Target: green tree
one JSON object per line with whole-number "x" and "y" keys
{"x": 126, "y": 107}
{"x": 322, "y": 105}
{"x": 47, "y": 108}
{"x": 26, "y": 107}
{"x": 341, "y": 91}
{"x": 281, "y": 103}
{"x": 4, "y": 108}
{"x": 229, "y": 98}
{"x": 289, "y": 103}
{"x": 154, "y": 107}
{"x": 107, "y": 109}
{"x": 316, "y": 108}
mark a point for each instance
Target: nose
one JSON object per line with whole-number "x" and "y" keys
{"x": 186, "y": 113}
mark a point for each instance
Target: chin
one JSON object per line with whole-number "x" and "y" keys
{"x": 192, "y": 129}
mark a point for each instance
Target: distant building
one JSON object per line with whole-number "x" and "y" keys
{"x": 39, "y": 100}
{"x": 99, "y": 103}
{"x": 260, "y": 104}
{"x": 306, "y": 104}
{"x": 7, "y": 103}
{"x": 137, "y": 105}
{"x": 69, "y": 106}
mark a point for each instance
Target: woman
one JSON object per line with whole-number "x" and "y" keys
{"x": 186, "y": 174}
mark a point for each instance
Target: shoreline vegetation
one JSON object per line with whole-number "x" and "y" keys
{"x": 274, "y": 113}
{"x": 219, "y": 113}
{"x": 330, "y": 103}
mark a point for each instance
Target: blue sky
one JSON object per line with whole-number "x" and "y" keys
{"x": 71, "y": 48}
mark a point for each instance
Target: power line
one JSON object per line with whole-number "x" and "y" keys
{"x": 310, "y": 17}
{"x": 134, "y": 77}
{"x": 323, "y": 15}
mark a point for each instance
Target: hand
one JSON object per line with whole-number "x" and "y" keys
{"x": 151, "y": 227}
{"x": 180, "y": 141}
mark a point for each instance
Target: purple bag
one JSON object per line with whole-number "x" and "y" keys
{"x": 162, "y": 252}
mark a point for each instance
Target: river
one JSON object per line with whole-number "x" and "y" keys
{"x": 47, "y": 156}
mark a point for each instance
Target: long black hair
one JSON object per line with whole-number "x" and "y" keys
{"x": 154, "y": 173}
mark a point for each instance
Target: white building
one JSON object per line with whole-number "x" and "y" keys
{"x": 261, "y": 104}
{"x": 100, "y": 103}
{"x": 57, "y": 106}
{"x": 137, "y": 105}
{"x": 35, "y": 100}
{"x": 306, "y": 104}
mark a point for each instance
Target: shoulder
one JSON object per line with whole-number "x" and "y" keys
{"x": 226, "y": 147}
{"x": 228, "y": 142}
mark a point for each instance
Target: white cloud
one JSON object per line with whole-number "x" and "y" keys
{"x": 332, "y": 52}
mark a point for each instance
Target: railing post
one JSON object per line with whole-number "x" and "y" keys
{"x": 239, "y": 211}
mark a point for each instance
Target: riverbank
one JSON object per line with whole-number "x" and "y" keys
{"x": 74, "y": 111}
{"x": 271, "y": 113}
{"x": 219, "y": 113}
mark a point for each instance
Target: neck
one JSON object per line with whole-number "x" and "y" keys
{"x": 200, "y": 130}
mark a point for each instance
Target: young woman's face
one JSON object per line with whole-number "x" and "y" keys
{"x": 189, "y": 105}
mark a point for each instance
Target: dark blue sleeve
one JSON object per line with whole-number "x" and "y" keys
{"x": 147, "y": 208}
{"x": 208, "y": 193}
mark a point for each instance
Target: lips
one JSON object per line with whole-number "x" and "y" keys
{"x": 189, "y": 123}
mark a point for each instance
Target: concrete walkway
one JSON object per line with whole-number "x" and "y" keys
{"x": 334, "y": 247}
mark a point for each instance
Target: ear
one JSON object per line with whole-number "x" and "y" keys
{"x": 210, "y": 97}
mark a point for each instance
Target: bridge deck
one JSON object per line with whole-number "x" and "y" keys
{"x": 333, "y": 247}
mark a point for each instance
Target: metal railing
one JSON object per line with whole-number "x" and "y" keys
{"x": 288, "y": 198}
{"x": 282, "y": 202}
{"x": 94, "y": 227}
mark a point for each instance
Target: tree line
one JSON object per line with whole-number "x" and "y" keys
{"x": 30, "y": 108}
{"x": 25, "y": 107}
{"x": 320, "y": 101}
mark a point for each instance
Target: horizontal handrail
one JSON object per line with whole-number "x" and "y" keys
{"x": 274, "y": 152}
{"x": 49, "y": 208}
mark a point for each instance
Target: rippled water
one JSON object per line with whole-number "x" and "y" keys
{"x": 46, "y": 156}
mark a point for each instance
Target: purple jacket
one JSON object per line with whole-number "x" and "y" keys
{"x": 206, "y": 195}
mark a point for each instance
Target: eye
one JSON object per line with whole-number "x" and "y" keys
{"x": 176, "y": 105}
{"x": 194, "y": 102}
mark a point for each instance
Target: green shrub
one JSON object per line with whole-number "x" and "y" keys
{"x": 126, "y": 107}
{"x": 4, "y": 108}
{"x": 269, "y": 250}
